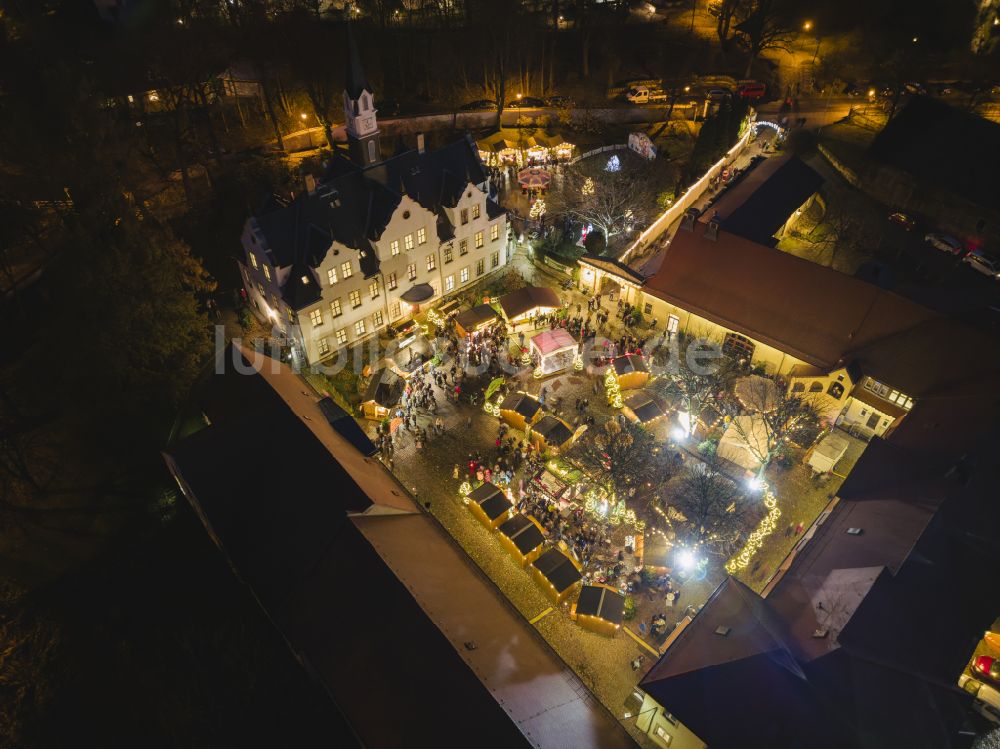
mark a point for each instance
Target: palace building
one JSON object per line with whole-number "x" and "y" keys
{"x": 374, "y": 240}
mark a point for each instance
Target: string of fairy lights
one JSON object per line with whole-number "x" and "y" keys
{"x": 755, "y": 541}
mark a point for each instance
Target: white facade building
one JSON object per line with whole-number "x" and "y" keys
{"x": 373, "y": 241}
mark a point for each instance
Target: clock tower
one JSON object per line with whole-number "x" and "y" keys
{"x": 359, "y": 110}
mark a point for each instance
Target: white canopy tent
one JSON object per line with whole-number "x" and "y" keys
{"x": 744, "y": 441}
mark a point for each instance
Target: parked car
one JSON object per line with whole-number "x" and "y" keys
{"x": 945, "y": 243}
{"x": 987, "y": 699}
{"x": 913, "y": 87}
{"x": 751, "y": 90}
{"x": 479, "y": 104}
{"x": 901, "y": 219}
{"x": 986, "y": 666}
{"x": 526, "y": 102}
{"x": 560, "y": 101}
{"x": 988, "y": 265}
{"x": 718, "y": 94}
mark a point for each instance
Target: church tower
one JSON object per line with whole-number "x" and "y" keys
{"x": 359, "y": 110}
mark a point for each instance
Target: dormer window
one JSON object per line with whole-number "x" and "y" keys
{"x": 305, "y": 280}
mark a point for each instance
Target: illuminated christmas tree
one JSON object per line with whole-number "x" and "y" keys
{"x": 537, "y": 209}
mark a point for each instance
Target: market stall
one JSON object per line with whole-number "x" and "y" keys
{"x": 381, "y": 394}
{"x": 600, "y": 608}
{"x": 557, "y": 574}
{"x": 534, "y": 179}
{"x": 631, "y": 371}
{"x": 825, "y": 454}
{"x": 490, "y": 505}
{"x": 551, "y": 434}
{"x": 407, "y": 355}
{"x": 744, "y": 441}
{"x": 473, "y": 320}
{"x": 520, "y": 410}
{"x": 554, "y": 350}
{"x": 522, "y": 536}
{"x": 527, "y": 302}
{"x": 644, "y": 408}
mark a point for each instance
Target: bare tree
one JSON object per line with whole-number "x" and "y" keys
{"x": 713, "y": 508}
{"x": 767, "y": 418}
{"x": 622, "y": 458}
{"x": 763, "y": 29}
{"x": 697, "y": 385}
{"x": 612, "y": 202}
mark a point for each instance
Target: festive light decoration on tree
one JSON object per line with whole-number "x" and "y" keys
{"x": 465, "y": 489}
{"x": 766, "y": 527}
{"x": 434, "y": 317}
{"x": 588, "y": 187}
{"x": 525, "y": 357}
{"x": 537, "y": 209}
{"x": 613, "y": 390}
{"x": 614, "y": 164}
{"x": 538, "y": 373}
{"x": 493, "y": 408}
{"x": 615, "y": 512}
{"x": 578, "y": 363}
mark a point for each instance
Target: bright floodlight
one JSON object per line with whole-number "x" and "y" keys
{"x": 686, "y": 559}
{"x": 755, "y": 484}
{"x": 678, "y": 434}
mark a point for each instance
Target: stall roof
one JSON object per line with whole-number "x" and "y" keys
{"x": 471, "y": 319}
{"x": 521, "y": 403}
{"x": 553, "y": 429}
{"x": 384, "y": 388}
{"x": 558, "y": 569}
{"x": 528, "y": 298}
{"x": 524, "y": 532}
{"x": 645, "y": 406}
{"x": 553, "y": 340}
{"x": 630, "y": 363}
{"x": 491, "y": 500}
{"x": 601, "y": 601}
{"x": 346, "y": 426}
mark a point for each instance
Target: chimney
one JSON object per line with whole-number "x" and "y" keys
{"x": 310, "y": 184}
{"x": 688, "y": 219}
{"x": 420, "y": 142}
{"x": 712, "y": 230}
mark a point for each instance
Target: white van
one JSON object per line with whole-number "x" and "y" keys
{"x": 643, "y": 95}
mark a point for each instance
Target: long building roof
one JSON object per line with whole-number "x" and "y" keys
{"x": 411, "y": 641}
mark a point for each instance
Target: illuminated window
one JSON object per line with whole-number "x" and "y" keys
{"x": 494, "y": 259}
{"x": 355, "y": 298}
{"x": 431, "y": 262}
{"x": 253, "y": 260}
{"x": 373, "y": 288}
{"x": 394, "y": 247}
{"x": 341, "y": 337}
{"x": 480, "y": 267}
{"x": 836, "y": 390}
{"x": 421, "y": 235}
{"x": 465, "y": 215}
{"x": 494, "y": 232}
{"x": 345, "y": 270}
{"x": 463, "y": 275}
{"x": 408, "y": 241}
{"x": 673, "y": 323}
{"x": 449, "y": 283}
{"x": 479, "y": 239}
{"x": 316, "y": 317}
{"x": 447, "y": 254}
{"x": 291, "y": 315}
{"x": 331, "y": 276}
{"x": 463, "y": 247}
{"x": 738, "y": 347}
{"x": 323, "y": 346}
{"x": 377, "y": 319}
{"x": 391, "y": 281}
{"x": 475, "y": 211}
{"x": 260, "y": 289}
{"x": 305, "y": 280}
{"x": 359, "y": 328}
{"x": 335, "y": 308}
{"x": 411, "y": 271}
{"x": 267, "y": 273}
{"x": 394, "y": 310}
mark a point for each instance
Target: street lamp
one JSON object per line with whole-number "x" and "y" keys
{"x": 303, "y": 116}
{"x": 807, "y": 27}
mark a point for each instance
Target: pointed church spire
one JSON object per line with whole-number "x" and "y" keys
{"x": 355, "y": 81}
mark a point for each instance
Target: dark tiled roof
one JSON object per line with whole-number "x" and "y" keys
{"x": 553, "y": 429}
{"x": 763, "y": 200}
{"x": 521, "y": 403}
{"x": 384, "y": 388}
{"x": 523, "y": 532}
{"x": 479, "y": 314}
{"x": 494, "y": 209}
{"x": 527, "y": 298}
{"x": 630, "y": 363}
{"x": 483, "y": 492}
{"x": 418, "y": 293}
{"x": 598, "y": 600}
{"x": 614, "y": 266}
{"x": 558, "y": 569}
{"x": 945, "y": 147}
{"x": 346, "y": 426}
